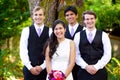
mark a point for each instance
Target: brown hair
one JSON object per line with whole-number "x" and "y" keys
{"x": 90, "y": 13}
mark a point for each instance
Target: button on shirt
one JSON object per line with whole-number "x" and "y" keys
{"x": 23, "y": 46}
{"x": 106, "y": 47}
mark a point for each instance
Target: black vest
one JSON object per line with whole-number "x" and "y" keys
{"x": 67, "y": 34}
{"x": 35, "y": 45}
{"x": 91, "y": 52}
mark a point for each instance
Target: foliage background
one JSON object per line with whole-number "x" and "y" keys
{"x": 15, "y": 15}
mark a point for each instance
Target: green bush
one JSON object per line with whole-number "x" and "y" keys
{"x": 10, "y": 64}
{"x": 113, "y": 69}
{"x": 108, "y": 17}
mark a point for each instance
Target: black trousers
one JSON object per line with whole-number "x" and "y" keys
{"x": 28, "y": 76}
{"x": 75, "y": 71}
{"x": 100, "y": 75}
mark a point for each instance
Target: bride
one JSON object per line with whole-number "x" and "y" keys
{"x": 59, "y": 51}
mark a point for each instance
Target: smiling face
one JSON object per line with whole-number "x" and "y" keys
{"x": 89, "y": 21}
{"x": 38, "y": 17}
{"x": 71, "y": 17}
{"x": 59, "y": 31}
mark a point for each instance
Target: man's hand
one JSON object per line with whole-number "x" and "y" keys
{"x": 90, "y": 69}
{"x": 38, "y": 68}
{"x": 34, "y": 71}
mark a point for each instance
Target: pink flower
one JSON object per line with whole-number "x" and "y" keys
{"x": 56, "y": 75}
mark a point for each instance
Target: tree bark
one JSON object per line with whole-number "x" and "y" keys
{"x": 33, "y": 3}
{"x": 52, "y": 13}
{"x": 80, "y": 3}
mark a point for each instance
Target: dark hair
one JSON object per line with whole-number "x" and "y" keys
{"x": 70, "y": 8}
{"x": 52, "y": 42}
{"x": 90, "y": 13}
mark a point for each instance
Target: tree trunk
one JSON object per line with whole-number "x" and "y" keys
{"x": 52, "y": 8}
{"x": 80, "y": 3}
{"x": 32, "y": 4}
{"x": 52, "y": 13}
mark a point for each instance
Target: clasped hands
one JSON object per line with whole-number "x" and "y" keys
{"x": 91, "y": 69}
{"x": 36, "y": 70}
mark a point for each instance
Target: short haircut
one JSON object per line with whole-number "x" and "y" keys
{"x": 37, "y": 8}
{"x": 90, "y": 13}
{"x": 70, "y": 8}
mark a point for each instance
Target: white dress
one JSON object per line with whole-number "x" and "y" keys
{"x": 60, "y": 59}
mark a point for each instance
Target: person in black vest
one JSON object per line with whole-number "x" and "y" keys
{"x": 93, "y": 50}
{"x": 32, "y": 41}
{"x": 73, "y": 27}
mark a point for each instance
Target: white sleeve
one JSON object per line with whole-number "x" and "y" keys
{"x": 107, "y": 52}
{"x": 43, "y": 66}
{"x": 79, "y": 59}
{"x": 23, "y": 48}
{"x": 50, "y": 31}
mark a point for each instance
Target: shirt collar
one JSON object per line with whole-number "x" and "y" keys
{"x": 37, "y": 26}
{"x": 74, "y": 27}
{"x": 93, "y": 31}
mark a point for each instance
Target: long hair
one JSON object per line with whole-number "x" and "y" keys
{"x": 52, "y": 42}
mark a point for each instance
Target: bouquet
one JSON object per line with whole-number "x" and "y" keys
{"x": 56, "y": 75}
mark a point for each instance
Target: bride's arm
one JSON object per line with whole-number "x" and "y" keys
{"x": 71, "y": 59}
{"x": 48, "y": 60}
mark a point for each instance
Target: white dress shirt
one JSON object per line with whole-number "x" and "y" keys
{"x": 74, "y": 27}
{"x": 23, "y": 46}
{"x": 106, "y": 47}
